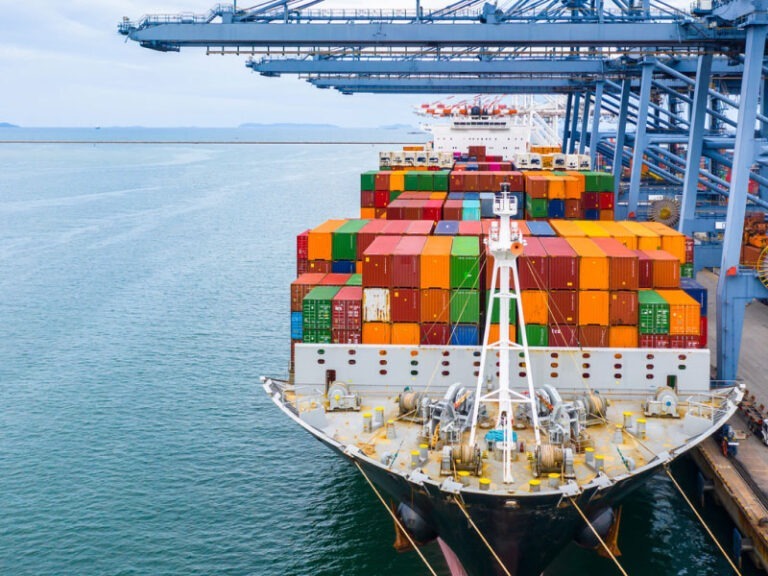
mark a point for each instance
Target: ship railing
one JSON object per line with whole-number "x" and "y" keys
{"x": 147, "y": 20}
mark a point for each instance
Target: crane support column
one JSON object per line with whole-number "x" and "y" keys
{"x": 732, "y": 287}
{"x": 574, "y": 123}
{"x": 640, "y": 136}
{"x": 567, "y": 122}
{"x": 584, "y": 124}
{"x": 594, "y": 136}
{"x": 695, "y": 144}
{"x": 618, "y": 156}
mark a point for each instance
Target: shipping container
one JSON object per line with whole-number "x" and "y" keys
{"x": 465, "y": 306}
{"x": 435, "y": 334}
{"x": 594, "y": 307}
{"x": 623, "y": 265}
{"x": 563, "y": 307}
{"x": 672, "y": 241}
{"x": 301, "y": 287}
{"x": 653, "y": 340}
{"x": 563, "y": 264}
{"x": 623, "y": 308}
{"x": 406, "y": 262}
{"x": 683, "y": 341}
{"x": 618, "y": 232}
{"x": 319, "y": 266}
{"x": 347, "y": 309}
{"x": 465, "y": 335}
{"x": 533, "y": 266}
{"x": 317, "y": 308}
{"x": 465, "y": 262}
{"x": 405, "y": 333}
{"x": 567, "y": 229}
{"x": 447, "y": 228}
{"x": 335, "y": 279}
{"x": 695, "y": 291}
{"x": 653, "y": 313}
{"x": 495, "y": 312}
{"x": 376, "y": 305}
{"x": 593, "y": 336}
{"x": 665, "y": 269}
{"x": 573, "y": 209}
{"x": 368, "y": 180}
{"x": 377, "y": 262}
{"x": 556, "y": 209}
{"x": 591, "y": 200}
{"x": 556, "y": 188}
{"x": 320, "y": 246}
{"x": 622, "y": 337}
{"x": 494, "y": 333}
{"x": 684, "y": 313}
{"x": 397, "y": 180}
{"x": 339, "y": 336}
{"x": 536, "y": 207}
{"x": 317, "y": 336}
{"x": 703, "y": 333}
{"x": 563, "y": 336}
{"x": 646, "y": 239}
{"x": 435, "y": 306}
{"x": 535, "y": 306}
{"x": 536, "y": 185}
{"x": 405, "y": 304}
{"x": 419, "y": 228}
{"x": 367, "y": 234}
{"x": 593, "y": 264}
{"x": 470, "y": 228}
{"x": 377, "y": 333}
{"x": 606, "y": 200}
{"x": 355, "y": 280}
{"x": 486, "y": 204}
{"x": 537, "y": 229}
{"x": 382, "y": 199}
{"x": 645, "y": 268}
{"x": 574, "y": 187}
{"x": 435, "y": 264}
{"x": 297, "y": 326}
{"x": 536, "y": 334}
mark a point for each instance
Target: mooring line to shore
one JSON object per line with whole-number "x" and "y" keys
{"x": 487, "y": 544}
{"x": 599, "y": 539}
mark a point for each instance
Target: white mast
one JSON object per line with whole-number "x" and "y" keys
{"x": 506, "y": 244}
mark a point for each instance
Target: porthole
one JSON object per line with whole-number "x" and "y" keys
{"x": 351, "y": 362}
{"x": 414, "y": 362}
{"x": 382, "y": 352}
{"x": 585, "y": 366}
{"x": 649, "y": 366}
{"x": 382, "y": 362}
{"x": 321, "y": 361}
{"x": 585, "y": 375}
{"x": 476, "y": 354}
{"x": 682, "y": 357}
{"x": 649, "y": 356}
{"x": 618, "y": 356}
{"x": 617, "y": 376}
{"x": 521, "y": 374}
{"x": 649, "y": 376}
{"x": 586, "y": 355}
{"x": 351, "y": 351}
{"x": 446, "y": 362}
{"x": 617, "y": 366}
{"x": 445, "y": 373}
{"x": 553, "y": 374}
{"x": 321, "y": 351}
{"x": 414, "y": 372}
{"x": 554, "y": 355}
{"x": 682, "y": 367}
{"x": 554, "y": 364}
{"x": 475, "y": 373}
{"x": 446, "y": 353}
{"x": 475, "y": 363}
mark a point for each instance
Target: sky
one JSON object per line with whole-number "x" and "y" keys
{"x": 64, "y": 64}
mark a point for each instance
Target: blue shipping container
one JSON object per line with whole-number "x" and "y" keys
{"x": 695, "y": 291}
{"x": 556, "y": 209}
{"x": 343, "y": 267}
{"x": 455, "y": 195}
{"x": 447, "y": 228}
{"x": 470, "y": 209}
{"x": 591, "y": 214}
{"x": 297, "y": 325}
{"x": 486, "y": 204}
{"x": 464, "y": 335}
{"x": 471, "y": 195}
{"x": 540, "y": 229}
{"x": 520, "y": 197}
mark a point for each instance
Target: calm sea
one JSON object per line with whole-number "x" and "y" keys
{"x": 143, "y": 291}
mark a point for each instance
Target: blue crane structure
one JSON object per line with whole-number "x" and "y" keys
{"x": 667, "y": 72}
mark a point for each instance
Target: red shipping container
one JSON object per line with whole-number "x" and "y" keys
{"x": 623, "y": 308}
{"x": 573, "y": 209}
{"x": 396, "y": 210}
{"x": 703, "y": 337}
{"x": 665, "y": 269}
{"x": 433, "y": 210}
{"x": 368, "y": 234}
{"x": 335, "y": 279}
{"x": 470, "y": 228}
{"x": 593, "y": 336}
{"x": 563, "y": 306}
{"x": 435, "y": 306}
{"x": 377, "y": 262}
{"x": 381, "y": 182}
{"x": 645, "y": 269}
{"x": 485, "y": 181}
{"x": 367, "y": 199}
{"x": 405, "y": 304}
{"x": 435, "y": 334}
{"x": 653, "y": 341}
{"x": 322, "y": 266}
{"x": 414, "y": 209}
{"x": 346, "y": 336}
{"x": 456, "y": 181}
{"x": 689, "y": 250}
{"x": 420, "y": 228}
{"x": 513, "y": 178}
{"x": 590, "y": 200}
{"x": 536, "y": 186}
{"x": 301, "y": 287}
{"x": 606, "y": 200}
{"x": 406, "y": 264}
{"x": 563, "y": 336}
{"x": 623, "y": 265}
{"x": 452, "y": 210}
{"x": 381, "y": 198}
{"x": 471, "y": 182}
{"x": 396, "y": 228}
{"x": 302, "y": 245}
{"x": 563, "y": 264}
{"x": 302, "y": 266}
{"x": 533, "y": 266}
{"x": 347, "y": 309}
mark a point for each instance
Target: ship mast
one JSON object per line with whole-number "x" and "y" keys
{"x": 506, "y": 244}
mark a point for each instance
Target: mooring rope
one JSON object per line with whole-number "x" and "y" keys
{"x": 479, "y": 533}
{"x": 396, "y": 519}
{"x": 711, "y": 535}
{"x": 599, "y": 539}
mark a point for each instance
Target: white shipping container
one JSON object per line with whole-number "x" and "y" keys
{"x": 376, "y": 305}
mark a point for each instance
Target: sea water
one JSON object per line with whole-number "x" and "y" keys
{"x": 143, "y": 291}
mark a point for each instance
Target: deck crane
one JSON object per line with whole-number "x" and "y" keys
{"x": 647, "y": 62}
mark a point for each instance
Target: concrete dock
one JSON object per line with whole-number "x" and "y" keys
{"x": 741, "y": 483}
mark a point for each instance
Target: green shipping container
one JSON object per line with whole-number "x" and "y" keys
{"x": 592, "y": 182}
{"x": 538, "y": 335}
{"x": 536, "y": 207}
{"x": 440, "y": 181}
{"x": 355, "y": 280}
{"x": 411, "y": 181}
{"x": 497, "y": 309}
{"x": 653, "y": 312}
{"x": 344, "y": 240}
{"x": 368, "y": 180}
{"x": 606, "y": 182}
{"x": 317, "y": 337}
{"x": 465, "y": 306}
{"x": 465, "y": 262}
{"x": 426, "y": 181}
{"x": 394, "y": 194}
{"x": 686, "y": 271}
{"x": 317, "y": 307}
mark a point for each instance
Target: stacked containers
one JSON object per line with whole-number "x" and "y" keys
{"x": 320, "y": 246}
{"x": 653, "y": 320}
{"x": 623, "y": 283}
{"x": 435, "y": 290}
{"x": 536, "y": 191}
{"x": 405, "y": 294}
{"x": 533, "y": 267}
{"x": 563, "y": 291}
{"x": 302, "y": 253}
{"x": 465, "y": 290}
{"x": 698, "y": 293}
{"x": 684, "y": 318}
{"x": 347, "y": 316}
{"x": 317, "y": 314}
{"x": 344, "y": 245}
{"x": 377, "y": 279}
{"x": 594, "y": 297}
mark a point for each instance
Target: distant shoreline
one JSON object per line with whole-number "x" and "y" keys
{"x": 201, "y": 142}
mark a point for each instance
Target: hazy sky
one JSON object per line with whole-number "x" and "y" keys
{"x": 64, "y": 64}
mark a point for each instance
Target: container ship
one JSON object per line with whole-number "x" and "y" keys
{"x": 500, "y": 359}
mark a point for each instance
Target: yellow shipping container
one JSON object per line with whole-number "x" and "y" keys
{"x": 535, "y": 306}
{"x": 684, "y": 312}
{"x": 594, "y": 307}
{"x": 622, "y": 337}
{"x": 592, "y": 228}
{"x": 593, "y": 264}
{"x": 672, "y": 241}
{"x": 617, "y": 231}
{"x": 320, "y": 240}
{"x": 397, "y": 180}
{"x": 646, "y": 239}
{"x": 376, "y": 333}
{"x": 405, "y": 333}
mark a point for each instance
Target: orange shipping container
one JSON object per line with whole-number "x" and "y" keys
{"x": 593, "y": 307}
{"x": 684, "y": 313}
{"x": 320, "y": 240}
{"x": 406, "y": 333}
{"x": 376, "y": 333}
{"x": 435, "y": 262}
{"x": 672, "y": 241}
{"x": 556, "y": 188}
{"x": 665, "y": 269}
{"x": 574, "y": 187}
{"x": 622, "y": 337}
{"x": 567, "y": 229}
{"x": 620, "y": 233}
{"x": 536, "y": 306}
{"x": 397, "y": 180}
{"x": 435, "y": 306}
{"x": 493, "y": 333}
{"x": 646, "y": 239}
{"x": 367, "y": 213}
{"x": 593, "y": 265}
